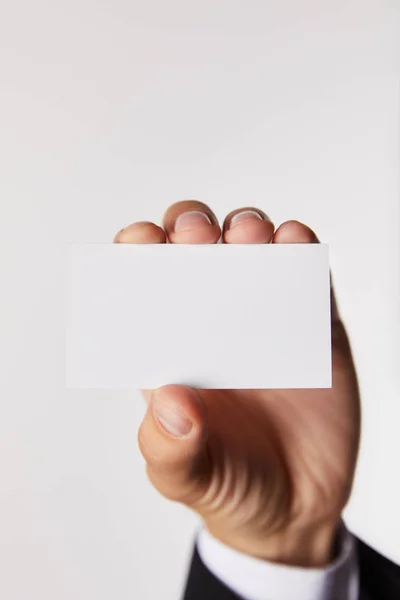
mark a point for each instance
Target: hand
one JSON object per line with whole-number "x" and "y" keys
{"x": 268, "y": 470}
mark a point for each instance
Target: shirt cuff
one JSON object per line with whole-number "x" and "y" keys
{"x": 254, "y": 579}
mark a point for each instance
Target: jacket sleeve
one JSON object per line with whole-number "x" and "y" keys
{"x": 379, "y": 578}
{"x": 203, "y": 585}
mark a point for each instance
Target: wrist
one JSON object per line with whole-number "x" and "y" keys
{"x": 300, "y": 547}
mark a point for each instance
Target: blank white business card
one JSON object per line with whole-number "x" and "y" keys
{"x": 218, "y": 316}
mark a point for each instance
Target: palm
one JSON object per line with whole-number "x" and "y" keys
{"x": 282, "y": 453}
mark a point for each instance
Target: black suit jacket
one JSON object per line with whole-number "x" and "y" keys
{"x": 379, "y": 579}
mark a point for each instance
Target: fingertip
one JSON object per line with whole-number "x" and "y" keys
{"x": 210, "y": 234}
{"x": 250, "y": 232}
{"x": 182, "y": 399}
{"x": 294, "y": 232}
{"x": 143, "y": 232}
{"x": 191, "y": 222}
{"x": 248, "y": 226}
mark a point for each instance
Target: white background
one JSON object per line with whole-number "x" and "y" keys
{"x": 109, "y": 111}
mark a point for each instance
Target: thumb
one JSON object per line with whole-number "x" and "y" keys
{"x": 172, "y": 439}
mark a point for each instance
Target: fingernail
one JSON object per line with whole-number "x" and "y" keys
{"x": 174, "y": 422}
{"x": 192, "y": 219}
{"x": 246, "y": 215}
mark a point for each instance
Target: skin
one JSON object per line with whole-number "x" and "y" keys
{"x": 269, "y": 471}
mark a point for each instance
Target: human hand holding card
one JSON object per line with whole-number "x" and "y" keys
{"x": 268, "y": 469}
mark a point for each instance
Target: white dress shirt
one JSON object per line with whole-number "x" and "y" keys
{"x": 254, "y": 579}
